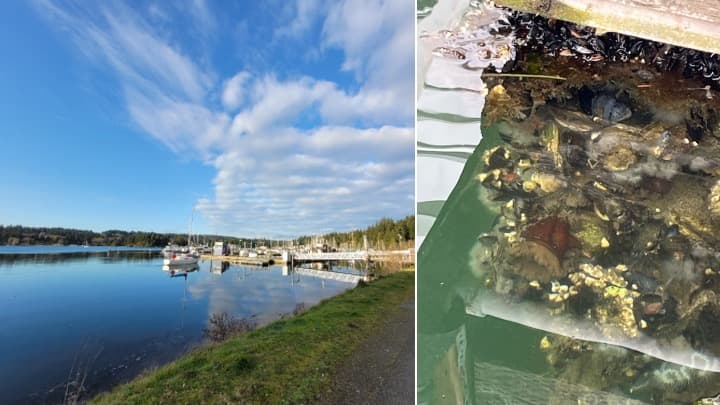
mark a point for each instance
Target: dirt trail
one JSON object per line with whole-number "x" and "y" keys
{"x": 382, "y": 370}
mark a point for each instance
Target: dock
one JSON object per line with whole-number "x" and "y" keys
{"x": 406, "y": 256}
{"x": 331, "y": 275}
{"x": 252, "y": 261}
{"x": 689, "y": 24}
{"x": 401, "y": 256}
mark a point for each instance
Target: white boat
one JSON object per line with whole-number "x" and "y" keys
{"x": 179, "y": 259}
{"x": 170, "y": 250}
{"x": 181, "y": 270}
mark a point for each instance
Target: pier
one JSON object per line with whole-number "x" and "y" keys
{"x": 296, "y": 259}
{"x": 404, "y": 256}
{"x": 253, "y": 261}
{"x": 330, "y": 257}
{"x": 330, "y": 275}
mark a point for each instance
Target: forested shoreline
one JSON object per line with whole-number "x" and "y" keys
{"x": 22, "y": 235}
{"x": 386, "y": 233}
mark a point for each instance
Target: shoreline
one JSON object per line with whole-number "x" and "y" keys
{"x": 289, "y": 360}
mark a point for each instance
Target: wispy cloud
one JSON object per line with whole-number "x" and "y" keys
{"x": 234, "y": 90}
{"x": 202, "y": 15}
{"x": 313, "y": 181}
{"x": 293, "y": 155}
{"x": 303, "y": 13}
{"x": 375, "y": 37}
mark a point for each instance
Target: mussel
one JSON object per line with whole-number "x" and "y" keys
{"x": 603, "y": 105}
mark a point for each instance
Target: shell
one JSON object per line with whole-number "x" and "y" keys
{"x": 553, "y": 233}
{"x": 603, "y": 105}
{"x": 608, "y": 108}
{"x": 714, "y": 201}
{"x": 549, "y": 183}
{"x": 534, "y": 261}
{"x": 590, "y": 231}
{"x": 619, "y": 158}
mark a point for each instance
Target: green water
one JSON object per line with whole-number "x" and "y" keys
{"x": 443, "y": 271}
{"x": 501, "y": 362}
{"x": 465, "y": 357}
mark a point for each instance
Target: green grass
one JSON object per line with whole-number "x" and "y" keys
{"x": 287, "y": 361}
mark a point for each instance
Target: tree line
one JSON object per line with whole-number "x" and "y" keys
{"x": 23, "y": 235}
{"x": 384, "y": 234}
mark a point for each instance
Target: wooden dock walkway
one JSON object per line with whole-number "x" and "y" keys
{"x": 330, "y": 256}
{"x": 406, "y": 256}
{"x": 402, "y": 256}
{"x": 689, "y": 24}
{"x": 330, "y": 275}
{"x": 253, "y": 261}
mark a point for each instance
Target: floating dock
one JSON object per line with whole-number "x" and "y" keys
{"x": 401, "y": 256}
{"x": 331, "y": 275}
{"x": 253, "y": 261}
{"x": 689, "y": 24}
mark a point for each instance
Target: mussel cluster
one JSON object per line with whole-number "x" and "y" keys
{"x": 534, "y": 33}
{"x": 607, "y": 219}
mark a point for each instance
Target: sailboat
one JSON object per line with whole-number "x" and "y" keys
{"x": 182, "y": 258}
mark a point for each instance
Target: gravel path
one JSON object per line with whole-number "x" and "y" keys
{"x": 382, "y": 370}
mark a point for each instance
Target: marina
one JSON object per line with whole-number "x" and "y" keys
{"x": 146, "y": 238}
{"x": 114, "y": 317}
{"x": 251, "y": 261}
{"x": 295, "y": 259}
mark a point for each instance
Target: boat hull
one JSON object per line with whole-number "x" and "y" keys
{"x": 180, "y": 261}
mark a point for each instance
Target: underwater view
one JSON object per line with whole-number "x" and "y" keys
{"x": 577, "y": 258}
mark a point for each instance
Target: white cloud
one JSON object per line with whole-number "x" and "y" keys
{"x": 276, "y": 103}
{"x": 137, "y": 53}
{"x": 377, "y": 39}
{"x": 203, "y": 16}
{"x": 123, "y": 40}
{"x": 355, "y": 26}
{"x": 311, "y": 182}
{"x": 181, "y": 126}
{"x": 304, "y": 13}
{"x": 233, "y": 93}
{"x": 288, "y": 156}
{"x": 157, "y": 12}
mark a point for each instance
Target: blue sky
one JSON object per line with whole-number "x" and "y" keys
{"x": 274, "y": 118}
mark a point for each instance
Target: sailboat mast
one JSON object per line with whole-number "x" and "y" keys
{"x": 192, "y": 214}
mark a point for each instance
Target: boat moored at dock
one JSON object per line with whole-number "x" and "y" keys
{"x": 180, "y": 259}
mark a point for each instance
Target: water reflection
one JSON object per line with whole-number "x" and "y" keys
{"x": 264, "y": 301}
{"x": 180, "y": 270}
{"x": 45, "y": 249}
{"x": 129, "y": 309}
{"x": 10, "y": 259}
{"x": 219, "y": 268}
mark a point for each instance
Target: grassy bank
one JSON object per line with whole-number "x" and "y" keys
{"x": 288, "y": 361}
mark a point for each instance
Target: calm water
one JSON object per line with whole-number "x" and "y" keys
{"x": 115, "y": 314}
{"x": 71, "y": 249}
